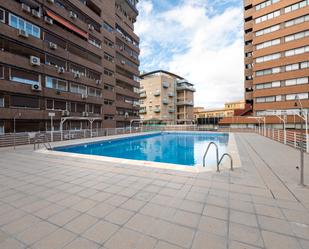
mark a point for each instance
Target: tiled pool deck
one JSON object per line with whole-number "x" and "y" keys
{"x": 48, "y": 202}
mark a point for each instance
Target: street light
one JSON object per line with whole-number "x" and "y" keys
{"x": 298, "y": 102}
{"x": 14, "y": 124}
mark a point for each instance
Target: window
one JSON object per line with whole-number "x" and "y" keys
{"x": 266, "y": 99}
{"x": 108, "y": 57}
{"x": 108, "y": 27}
{"x": 94, "y": 41}
{"x": 298, "y": 81}
{"x": 56, "y": 105}
{"x": 265, "y": 4}
{"x": 19, "y": 23}
{"x": 268, "y": 58}
{"x": 297, "y": 21}
{"x": 24, "y": 102}
{"x": 296, "y": 6}
{"x": 267, "y": 44}
{"x": 2, "y": 15}
{"x": 268, "y": 71}
{"x": 55, "y": 83}
{"x": 53, "y": 61}
{"x": 268, "y": 85}
{"x": 108, "y": 42}
{"x": 297, "y": 36}
{"x": 108, "y": 117}
{"x": 1, "y": 127}
{"x": 108, "y": 102}
{"x": 108, "y": 72}
{"x": 94, "y": 92}
{"x": 79, "y": 89}
{"x": 1, "y": 101}
{"x": 267, "y": 30}
{"x": 297, "y": 51}
{"x": 108, "y": 87}
{"x": 1, "y": 72}
{"x": 299, "y": 95}
{"x": 24, "y": 76}
{"x": 267, "y": 17}
{"x": 296, "y": 66}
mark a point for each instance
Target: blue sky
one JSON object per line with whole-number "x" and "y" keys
{"x": 198, "y": 39}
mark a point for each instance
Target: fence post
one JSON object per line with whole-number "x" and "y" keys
{"x": 295, "y": 140}
{"x": 307, "y": 144}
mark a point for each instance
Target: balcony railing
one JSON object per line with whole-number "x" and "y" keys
{"x": 165, "y": 84}
{"x": 157, "y": 110}
{"x": 157, "y": 93}
{"x": 185, "y": 102}
{"x": 165, "y": 101}
{"x": 185, "y": 87}
{"x": 142, "y": 111}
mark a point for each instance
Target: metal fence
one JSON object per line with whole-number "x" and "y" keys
{"x": 15, "y": 139}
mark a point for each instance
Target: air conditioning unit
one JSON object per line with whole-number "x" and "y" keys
{"x": 50, "y": 1}
{"x": 98, "y": 82}
{"x": 53, "y": 46}
{"x": 25, "y": 8}
{"x": 35, "y": 61}
{"x": 23, "y": 33}
{"x": 85, "y": 114}
{"x": 84, "y": 96}
{"x": 76, "y": 75}
{"x": 36, "y": 87}
{"x": 48, "y": 20}
{"x": 36, "y": 13}
{"x": 73, "y": 15}
{"x": 90, "y": 27}
{"x": 65, "y": 113}
{"x": 61, "y": 70}
{"x": 121, "y": 48}
{"x": 123, "y": 62}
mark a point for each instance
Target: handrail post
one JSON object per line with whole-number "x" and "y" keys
{"x": 217, "y": 154}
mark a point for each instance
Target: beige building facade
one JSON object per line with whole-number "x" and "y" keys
{"x": 228, "y": 110}
{"x": 166, "y": 97}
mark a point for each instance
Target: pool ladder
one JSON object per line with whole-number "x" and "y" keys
{"x": 217, "y": 156}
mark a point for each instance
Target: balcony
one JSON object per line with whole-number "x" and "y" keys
{"x": 143, "y": 95}
{"x": 170, "y": 94}
{"x": 157, "y": 110}
{"x": 185, "y": 87}
{"x": 165, "y": 84}
{"x": 157, "y": 93}
{"x": 165, "y": 101}
{"x": 143, "y": 111}
{"x": 185, "y": 102}
{"x": 171, "y": 110}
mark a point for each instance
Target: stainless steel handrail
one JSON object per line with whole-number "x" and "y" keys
{"x": 228, "y": 155}
{"x": 217, "y": 154}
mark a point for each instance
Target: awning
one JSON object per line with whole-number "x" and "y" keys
{"x": 67, "y": 24}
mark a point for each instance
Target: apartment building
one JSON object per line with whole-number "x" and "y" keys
{"x": 230, "y": 109}
{"x": 166, "y": 97}
{"x": 74, "y": 60}
{"x": 276, "y": 54}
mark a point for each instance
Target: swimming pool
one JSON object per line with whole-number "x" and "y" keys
{"x": 183, "y": 148}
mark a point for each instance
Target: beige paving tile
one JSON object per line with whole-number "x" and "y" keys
{"x": 245, "y": 234}
{"x": 216, "y": 212}
{"x": 64, "y": 217}
{"x": 165, "y": 245}
{"x": 100, "y": 196}
{"x": 81, "y": 223}
{"x": 275, "y": 225}
{"x": 186, "y": 218}
{"x": 133, "y": 204}
{"x": 238, "y": 245}
{"x": 21, "y": 224}
{"x": 205, "y": 240}
{"x": 101, "y": 210}
{"x": 243, "y": 218}
{"x": 81, "y": 243}
{"x": 36, "y": 232}
{"x": 269, "y": 211}
{"x": 100, "y": 232}
{"x": 278, "y": 241}
{"x": 11, "y": 243}
{"x": 192, "y": 206}
{"x": 242, "y": 206}
{"x": 58, "y": 239}
{"x": 84, "y": 205}
{"x": 49, "y": 211}
{"x": 213, "y": 226}
{"x": 119, "y": 216}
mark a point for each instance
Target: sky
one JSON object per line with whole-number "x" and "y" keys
{"x": 200, "y": 40}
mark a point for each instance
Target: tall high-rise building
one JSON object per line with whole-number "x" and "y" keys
{"x": 276, "y": 54}
{"x": 166, "y": 97}
{"x": 75, "y": 60}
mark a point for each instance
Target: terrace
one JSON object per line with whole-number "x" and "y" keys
{"x": 47, "y": 201}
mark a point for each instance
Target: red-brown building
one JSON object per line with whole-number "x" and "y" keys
{"x": 74, "y": 58}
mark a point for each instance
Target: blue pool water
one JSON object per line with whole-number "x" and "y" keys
{"x": 177, "y": 148}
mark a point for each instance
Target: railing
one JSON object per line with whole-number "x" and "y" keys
{"x": 11, "y": 139}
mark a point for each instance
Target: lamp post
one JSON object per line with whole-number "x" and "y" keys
{"x": 298, "y": 102}
{"x": 14, "y": 124}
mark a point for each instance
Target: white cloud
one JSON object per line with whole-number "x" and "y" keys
{"x": 192, "y": 40}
